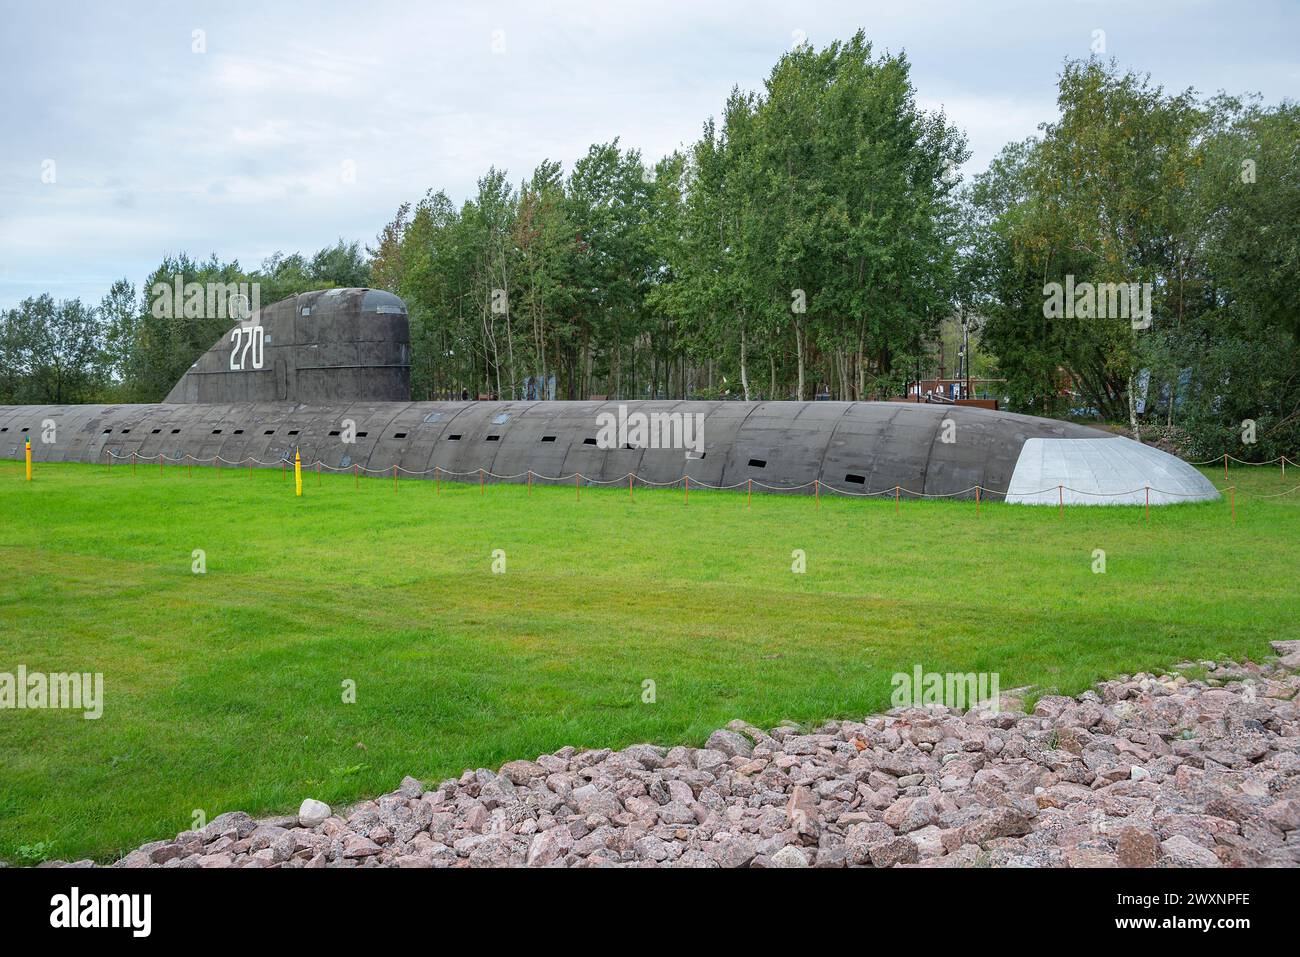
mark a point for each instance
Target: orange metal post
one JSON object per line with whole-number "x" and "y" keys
{"x": 688, "y": 490}
{"x": 977, "y": 501}
{"x": 817, "y": 492}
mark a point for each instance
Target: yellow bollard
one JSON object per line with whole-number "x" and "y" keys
{"x": 297, "y": 473}
{"x": 29, "y": 460}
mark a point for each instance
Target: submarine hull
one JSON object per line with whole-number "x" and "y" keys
{"x": 851, "y": 447}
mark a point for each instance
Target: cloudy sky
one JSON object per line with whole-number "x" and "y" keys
{"x": 284, "y": 126}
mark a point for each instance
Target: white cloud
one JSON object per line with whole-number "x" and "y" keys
{"x": 238, "y": 150}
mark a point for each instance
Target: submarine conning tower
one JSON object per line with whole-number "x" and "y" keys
{"x": 329, "y": 346}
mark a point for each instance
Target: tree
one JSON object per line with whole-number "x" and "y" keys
{"x": 1133, "y": 185}
{"x": 51, "y": 351}
{"x": 119, "y": 316}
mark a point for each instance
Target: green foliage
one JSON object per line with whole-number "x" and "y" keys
{"x": 679, "y": 279}
{"x": 166, "y": 341}
{"x": 815, "y": 240}
{"x": 133, "y": 348}
{"x": 341, "y": 265}
{"x": 1135, "y": 185}
{"x": 30, "y": 854}
{"x": 50, "y": 353}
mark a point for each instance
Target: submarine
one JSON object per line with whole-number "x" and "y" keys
{"x": 327, "y": 374}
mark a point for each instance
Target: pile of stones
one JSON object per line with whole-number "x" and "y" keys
{"x": 1143, "y": 771}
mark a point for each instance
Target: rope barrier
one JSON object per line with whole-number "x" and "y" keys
{"x": 1217, "y": 459}
{"x": 633, "y": 479}
{"x": 1278, "y": 494}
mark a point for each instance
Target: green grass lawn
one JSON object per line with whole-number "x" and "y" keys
{"x": 224, "y": 690}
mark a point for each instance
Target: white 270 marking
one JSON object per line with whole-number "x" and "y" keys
{"x": 253, "y": 340}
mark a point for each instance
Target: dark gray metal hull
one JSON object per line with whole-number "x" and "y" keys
{"x": 851, "y": 446}
{"x": 331, "y": 346}
{"x": 311, "y": 372}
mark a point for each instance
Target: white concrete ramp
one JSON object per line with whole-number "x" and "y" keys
{"x": 1110, "y": 471}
